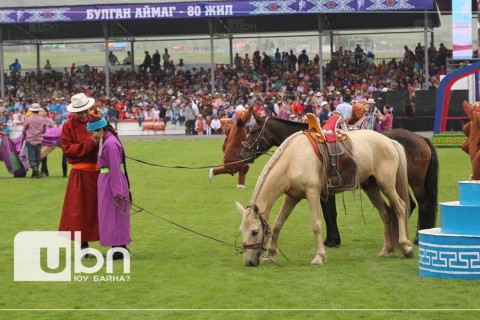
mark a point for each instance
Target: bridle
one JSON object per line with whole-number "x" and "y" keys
{"x": 255, "y": 146}
{"x": 267, "y": 232}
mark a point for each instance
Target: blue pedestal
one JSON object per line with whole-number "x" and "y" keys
{"x": 448, "y": 256}
{"x": 453, "y": 251}
{"x": 469, "y": 192}
{"x": 460, "y": 219}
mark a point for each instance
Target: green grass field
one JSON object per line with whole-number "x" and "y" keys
{"x": 174, "y": 269}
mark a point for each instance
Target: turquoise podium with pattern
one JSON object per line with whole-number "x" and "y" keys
{"x": 453, "y": 250}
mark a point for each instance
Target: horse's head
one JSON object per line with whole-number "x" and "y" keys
{"x": 256, "y": 143}
{"x": 255, "y": 234}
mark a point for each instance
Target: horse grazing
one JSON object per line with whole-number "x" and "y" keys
{"x": 381, "y": 167}
{"x": 421, "y": 158}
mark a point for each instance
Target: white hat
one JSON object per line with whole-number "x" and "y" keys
{"x": 239, "y": 108}
{"x": 80, "y": 102}
{"x": 310, "y": 93}
{"x": 318, "y": 94}
{"x": 251, "y": 94}
{"x": 35, "y": 107}
{"x": 370, "y": 100}
{"x": 323, "y": 103}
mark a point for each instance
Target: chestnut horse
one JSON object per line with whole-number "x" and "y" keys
{"x": 381, "y": 169}
{"x": 421, "y": 158}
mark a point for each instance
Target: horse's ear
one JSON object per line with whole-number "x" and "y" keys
{"x": 240, "y": 208}
{"x": 258, "y": 119}
{"x": 240, "y": 122}
{"x": 255, "y": 209}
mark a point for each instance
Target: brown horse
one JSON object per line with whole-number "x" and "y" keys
{"x": 422, "y": 163}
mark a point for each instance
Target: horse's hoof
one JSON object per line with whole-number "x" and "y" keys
{"x": 268, "y": 258}
{"x": 319, "y": 260}
{"x": 331, "y": 244}
{"x": 409, "y": 253}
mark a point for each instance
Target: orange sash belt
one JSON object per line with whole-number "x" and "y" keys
{"x": 86, "y": 166}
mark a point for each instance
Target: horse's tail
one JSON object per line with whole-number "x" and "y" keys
{"x": 427, "y": 211}
{"x": 401, "y": 186}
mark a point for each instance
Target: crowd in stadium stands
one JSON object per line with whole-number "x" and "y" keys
{"x": 284, "y": 85}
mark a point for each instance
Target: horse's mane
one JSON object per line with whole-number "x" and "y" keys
{"x": 276, "y": 155}
{"x": 291, "y": 123}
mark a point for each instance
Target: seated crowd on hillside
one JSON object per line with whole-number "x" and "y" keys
{"x": 281, "y": 85}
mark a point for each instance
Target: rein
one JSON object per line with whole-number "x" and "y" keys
{"x": 137, "y": 209}
{"x": 184, "y": 167}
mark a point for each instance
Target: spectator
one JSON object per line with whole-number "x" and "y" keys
{"x": 112, "y": 114}
{"x": 278, "y": 56}
{"x": 358, "y": 54}
{"x": 216, "y": 125}
{"x": 246, "y": 61}
{"x": 345, "y": 108}
{"x": 140, "y": 116}
{"x": 238, "y": 62}
{"x": 419, "y": 50}
{"x": 408, "y": 56}
{"x": 50, "y": 124}
{"x": 303, "y": 60}
{"x": 200, "y": 125}
{"x": 325, "y": 113}
{"x": 34, "y": 128}
{"x": 166, "y": 59}
{"x": 292, "y": 59}
{"x": 189, "y": 119}
{"x": 128, "y": 59}
{"x": 48, "y": 67}
{"x": 386, "y": 119}
{"x": 147, "y": 62}
{"x": 156, "y": 60}
{"x": 15, "y": 67}
{"x": 112, "y": 59}
{"x": 373, "y": 123}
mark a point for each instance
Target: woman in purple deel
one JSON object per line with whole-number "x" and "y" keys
{"x": 113, "y": 187}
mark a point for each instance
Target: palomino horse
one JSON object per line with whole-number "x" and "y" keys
{"x": 422, "y": 168}
{"x": 381, "y": 167}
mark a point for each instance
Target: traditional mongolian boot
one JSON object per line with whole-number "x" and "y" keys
{"x": 118, "y": 255}
{"x": 84, "y": 245}
{"x": 64, "y": 168}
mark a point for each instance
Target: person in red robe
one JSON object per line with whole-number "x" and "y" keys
{"x": 236, "y": 134}
{"x": 80, "y": 205}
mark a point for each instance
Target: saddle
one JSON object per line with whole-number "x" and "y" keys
{"x": 335, "y": 149}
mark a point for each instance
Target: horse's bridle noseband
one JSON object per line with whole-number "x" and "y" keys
{"x": 254, "y": 147}
{"x": 266, "y": 233}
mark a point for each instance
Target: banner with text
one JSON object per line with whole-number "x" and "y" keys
{"x": 462, "y": 29}
{"x": 205, "y": 10}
